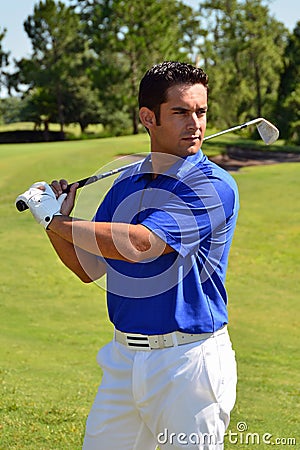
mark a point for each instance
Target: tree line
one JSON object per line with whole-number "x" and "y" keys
{"x": 88, "y": 58}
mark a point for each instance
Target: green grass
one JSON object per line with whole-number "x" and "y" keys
{"x": 52, "y": 325}
{"x": 263, "y": 285}
{"x": 73, "y": 129}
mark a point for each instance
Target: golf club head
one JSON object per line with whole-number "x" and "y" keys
{"x": 268, "y": 132}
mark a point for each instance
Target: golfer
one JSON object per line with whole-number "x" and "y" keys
{"x": 162, "y": 236}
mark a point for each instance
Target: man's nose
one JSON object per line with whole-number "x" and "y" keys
{"x": 194, "y": 122}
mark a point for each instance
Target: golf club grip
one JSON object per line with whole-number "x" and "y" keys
{"x": 81, "y": 183}
{"x": 21, "y": 205}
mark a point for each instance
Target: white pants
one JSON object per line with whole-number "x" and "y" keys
{"x": 179, "y": 397}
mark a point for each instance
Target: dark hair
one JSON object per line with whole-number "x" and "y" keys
{"x": 157, "y": 80}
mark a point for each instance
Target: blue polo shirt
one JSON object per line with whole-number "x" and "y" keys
{"x": 193, "y": 207}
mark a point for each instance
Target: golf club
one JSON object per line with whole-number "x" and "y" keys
{"x": 267, "y": 131}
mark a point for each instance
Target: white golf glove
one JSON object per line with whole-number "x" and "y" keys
{"x": 42, "y": 203}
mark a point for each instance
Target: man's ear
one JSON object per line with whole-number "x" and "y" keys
{"x": 147, "y": 117}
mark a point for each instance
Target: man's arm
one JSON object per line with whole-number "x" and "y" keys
{"x": 121, "y": 241}
{"x": 86, "y": 266}
{"x": 126, "y": 242}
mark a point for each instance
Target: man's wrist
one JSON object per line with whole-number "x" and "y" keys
{"x": 56, "y": 220}
{"x": 51, "y": 219}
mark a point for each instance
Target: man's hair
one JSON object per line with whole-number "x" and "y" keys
{"x": 157, "y": 80}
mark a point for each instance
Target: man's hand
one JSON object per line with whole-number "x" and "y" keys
{"x": 58, "y": 187}
{"x": 42, "y": 202}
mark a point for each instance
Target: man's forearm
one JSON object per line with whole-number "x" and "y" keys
{"x": 120, "y": 241}
{"x": 83, "y": 264}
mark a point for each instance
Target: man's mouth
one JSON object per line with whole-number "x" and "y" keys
{"x": 192, "y": 138}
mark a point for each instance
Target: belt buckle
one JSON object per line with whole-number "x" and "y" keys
{"x": 138, "y": 341}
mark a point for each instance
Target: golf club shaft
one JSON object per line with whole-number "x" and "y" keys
{"x": 237, "y": 127}
{"x": 21, "y": 206}
{"x": 94, "y": 178}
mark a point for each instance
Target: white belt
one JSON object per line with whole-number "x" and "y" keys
{"x": 152, "y": 342}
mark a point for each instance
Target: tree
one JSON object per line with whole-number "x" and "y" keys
{"x": 128, "y": 37}
{"x": 3, "y": 61}
{"x": 82, "y": 104}
{"x": 11, "y": 109}
{"x": 39, "y": 107}
{"x": 242, "y": 53}
{"x": 60, "y": 58}
{"x": 288, "y": 104}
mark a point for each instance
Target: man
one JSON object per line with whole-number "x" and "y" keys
{"x": 162, "y": 235}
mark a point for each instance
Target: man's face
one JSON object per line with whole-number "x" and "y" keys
{"x": 182, "y": 121}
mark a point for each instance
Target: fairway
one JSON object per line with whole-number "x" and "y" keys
{"x": 52, "y": 325}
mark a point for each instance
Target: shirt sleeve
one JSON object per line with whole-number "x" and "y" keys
{"x": 196, "y": 212}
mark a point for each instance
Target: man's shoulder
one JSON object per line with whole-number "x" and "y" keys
{"x": 201, "y": 169}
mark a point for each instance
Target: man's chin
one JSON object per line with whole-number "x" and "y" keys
{"x": 193, "y": 149}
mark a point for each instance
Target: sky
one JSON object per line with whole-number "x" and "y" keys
{"x": 13, "y": 13}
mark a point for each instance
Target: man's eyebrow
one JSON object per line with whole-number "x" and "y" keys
{"x": 181, "y": 108}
